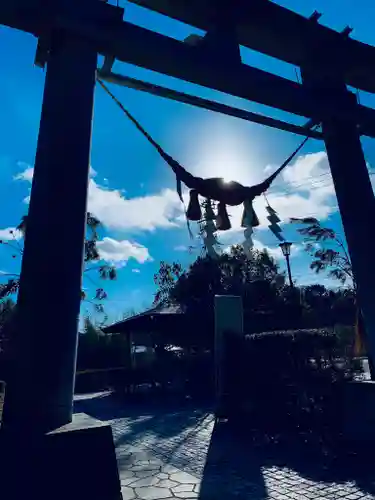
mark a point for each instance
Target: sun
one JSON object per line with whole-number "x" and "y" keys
{"x": 222, "y": 150}
{"x": 226, "y": 178}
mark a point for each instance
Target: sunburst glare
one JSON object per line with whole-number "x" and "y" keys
{"x": 219, "y": 148}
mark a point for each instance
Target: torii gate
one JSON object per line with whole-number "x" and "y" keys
{"x": 71, "y": 34}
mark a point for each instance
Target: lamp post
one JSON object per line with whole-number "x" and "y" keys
{"x": 285, "y": 248}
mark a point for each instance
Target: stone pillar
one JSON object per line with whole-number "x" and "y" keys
{"x": 40, "y": 390}
{"x": 228, "y": 318}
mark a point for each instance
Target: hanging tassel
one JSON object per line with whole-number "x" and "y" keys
{"x": 249, "y": 220}
{"x": 248, "y": 243}
{"x": 209, "y": 211}
{"x": 274, "y": 220}
{"x": 210, "y": 243}
{"x": 194, "y": 209}
{"x": 222, "y": 220}
{"x": 247, "y": 214}
{"x": 189, "y": 229}
{"x": 249, "y": 217}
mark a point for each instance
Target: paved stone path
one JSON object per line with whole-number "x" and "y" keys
{"x": 146, "y": 477}
{"x": 181, "y": 454}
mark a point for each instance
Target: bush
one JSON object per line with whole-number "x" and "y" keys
{"x": 286, "y": 381}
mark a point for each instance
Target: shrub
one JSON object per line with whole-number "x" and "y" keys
{"x": 286, "y": 381}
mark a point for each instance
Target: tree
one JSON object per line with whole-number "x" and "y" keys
{"x": 99, "y": 350}
{"x": 329, "y": 306}
{"x": 91, "y": 257}
{"x": 228, "y": 273}
{"x": 329, "y": 254}
{"x": 327, "y": 249}
{"x": 6, "y": 312}
{"x": 231, "y": 273}
{"x": 166, "y": 279}
{"x": 268, "y": 303}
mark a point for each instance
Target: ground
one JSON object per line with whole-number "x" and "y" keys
{"x": 176, "y": 451}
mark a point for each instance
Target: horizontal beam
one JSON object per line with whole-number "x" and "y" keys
{"x": 210, "y": 105}
{"x": 39, "y": 17}
{"x": 269, "y": 28}
{"x": 141, "y": 47}
{"x": 21, "y": 15}
{"x": 133, "y": 44}
{"x": 102, "y": 25}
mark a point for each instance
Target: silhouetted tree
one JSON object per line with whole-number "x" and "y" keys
{"x": 92, "y": 260}
{"x": 166, "y": 279}
{"x": 327, "y": 249}
{"x": 268, "y": 302}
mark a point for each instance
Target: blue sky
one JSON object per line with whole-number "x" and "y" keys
{"x": 133, "y": 192}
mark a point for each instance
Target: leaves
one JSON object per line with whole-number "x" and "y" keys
{"x": 339, "y": 275}
{"x": 22, "y": 225}
{"x": 93, "y": 224}
{"x": 331, "y": 256}
{"x": 316, "y": 232}
{"x": 91, "y": 254}
{"x": 304, "y": 220}
{"x": 91, "y": 251}
{"x": 100, "y": 294}
{"x": 108, "y": 272}
{"x": 9, "y": 288}
{"x": 99, "y": 308}
{"x": 165, "y": 279}
{"x": 229, "y": 273}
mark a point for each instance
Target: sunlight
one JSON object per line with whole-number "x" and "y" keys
{"x": 219, "y": 148}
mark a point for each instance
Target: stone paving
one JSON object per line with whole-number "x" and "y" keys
{"x": 148, "y": 478}
{"x": 164, "y": 454}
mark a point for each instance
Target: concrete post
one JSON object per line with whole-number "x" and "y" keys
{"x": 228, "y": 318}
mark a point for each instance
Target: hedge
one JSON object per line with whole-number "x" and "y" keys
{"x": 285, "y": 381}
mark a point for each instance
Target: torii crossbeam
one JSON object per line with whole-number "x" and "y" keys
{"x": 71, "y": 34}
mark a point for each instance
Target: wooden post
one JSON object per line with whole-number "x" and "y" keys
{"x": 352, "y": 183}
{"x": 40, "y": 390}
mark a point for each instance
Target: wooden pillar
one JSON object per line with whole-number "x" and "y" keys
{"x": 40, "y": 390}
{"x": 352, "y": 184}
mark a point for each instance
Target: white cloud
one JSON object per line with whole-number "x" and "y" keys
{"x": 235, "y": 238}
{"x": 148, "y": 212}
{"x": 136, "y": 271}
{"x": 116, "y": 251}
{"x": 181, "y": 248}
{"x": 26, "y": 174}
{"x": 312, "y": 278}
{"x": 306, "y": 170}
{"x": 276, "y": 252}
{"x": 306, "y": 191}
{"x": 10, "y": 233}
